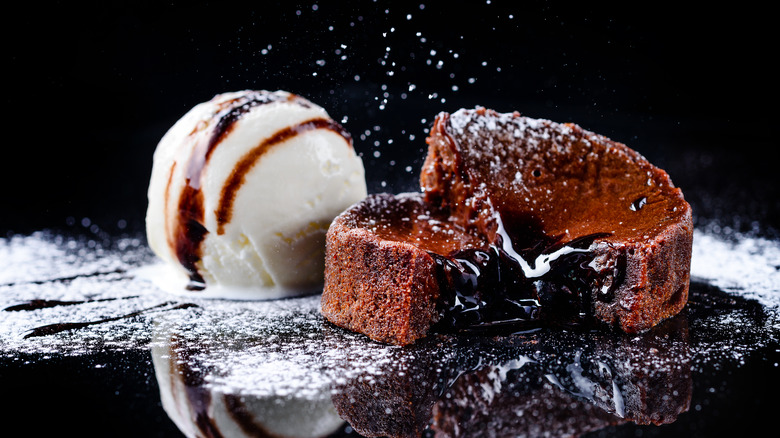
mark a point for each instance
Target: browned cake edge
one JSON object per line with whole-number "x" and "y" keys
{"x": 384, "y": 289}
{"x": 655, "y": 279}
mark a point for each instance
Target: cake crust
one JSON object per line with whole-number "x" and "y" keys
{"x": 377, "y": 282}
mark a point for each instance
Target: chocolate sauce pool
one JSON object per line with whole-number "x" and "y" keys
{"x": 497, "y": 288}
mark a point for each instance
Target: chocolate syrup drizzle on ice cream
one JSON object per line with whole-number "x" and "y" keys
{"x": 207, "y": 160}
{"x": 189, "y": 231}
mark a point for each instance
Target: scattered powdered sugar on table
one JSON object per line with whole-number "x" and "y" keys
{"x": 279, "y": 347}
{"x": 45, "y": 256}
{"x": 90, "y": 279}
{"x": 251, "y": 347}
{"x": 746, "y": 266}
{"x": 282, "y": 347}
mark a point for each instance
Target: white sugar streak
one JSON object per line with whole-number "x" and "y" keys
{"x": 748, "y": 266}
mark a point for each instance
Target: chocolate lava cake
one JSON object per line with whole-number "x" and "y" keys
{"x": 520, "y": 223}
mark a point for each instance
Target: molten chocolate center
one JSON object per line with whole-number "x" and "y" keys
{"x": 547, "y": 281}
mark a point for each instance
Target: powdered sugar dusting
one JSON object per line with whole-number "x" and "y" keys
{"x": 43, "y": 256}
{"x": 531, "y": 130}
{"x": 267, "y": 348}
{"x": 285, "y": 347}
{"x": 747, "y": 266}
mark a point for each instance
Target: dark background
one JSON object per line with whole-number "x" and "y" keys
{"x": 90, "y": 89}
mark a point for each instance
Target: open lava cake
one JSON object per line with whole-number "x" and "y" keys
{"x": 520, "y": 223}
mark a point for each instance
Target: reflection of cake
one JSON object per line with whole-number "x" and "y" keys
{"x": 484, "y": 405}
{"x": 394, "y": 398}
{"x": 518, "y": 216}
{"x": 561, "y": 385}
{"x": 610, "y": 380}
{"x": 652, "y": 371}
{"x": 391, "y": 405}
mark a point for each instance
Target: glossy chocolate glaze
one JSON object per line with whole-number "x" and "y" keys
{"x": 189, "y": 232}
{"x": 406, "y": 218}
{"x": 490, "y": 289}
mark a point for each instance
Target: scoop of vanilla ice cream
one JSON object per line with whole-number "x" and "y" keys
{"x": 243, "y": 190}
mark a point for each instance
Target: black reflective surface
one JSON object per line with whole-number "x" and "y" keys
{"x": 93, "y": 88}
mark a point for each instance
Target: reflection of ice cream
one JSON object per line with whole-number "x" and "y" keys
{"x": 243, "y": 189}
{"x": 200, "y": 409}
